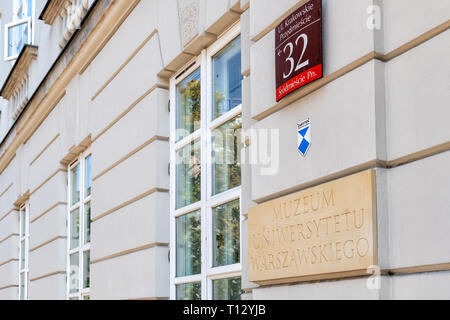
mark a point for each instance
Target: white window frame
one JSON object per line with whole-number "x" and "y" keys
{"x": 208, "y": 201}
{"x": 24, "y": 219}
{"x": 31, "y": 33}
{"x": 11, "y": 25}
{"x": 82, "y": 248}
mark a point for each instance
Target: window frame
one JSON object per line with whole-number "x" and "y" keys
{"x": 25, "y": 208}
{"x": 82, "y": 248}
{"x": 14, "y": 24}
{"x": 208, "y": 200}
{"x": 31, "y": 34}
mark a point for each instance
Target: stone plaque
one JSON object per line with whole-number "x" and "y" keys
{"x": 324, "y": 232}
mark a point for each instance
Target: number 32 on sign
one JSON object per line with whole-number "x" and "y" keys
{"x": 298, "y": 48}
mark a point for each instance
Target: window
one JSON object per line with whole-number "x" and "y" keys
{"x": 24, "y": 237}
{"x": 79, "y": 228}
{"x": 18, "y": 33}
{"x": 206, "y": 174}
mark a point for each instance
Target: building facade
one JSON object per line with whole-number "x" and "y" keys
{"x": 139, "y": 139}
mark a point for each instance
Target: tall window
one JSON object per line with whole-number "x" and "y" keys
{"x": 19, "y": 32}
{"x": 206, "y": 174}
{"x": 24, "y": 237}
{"x": 79, "y": 228}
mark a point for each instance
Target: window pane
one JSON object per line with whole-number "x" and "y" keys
{"x": 22, "y": 223}
{"x": 74, "y": 228}
{"x": 227, "y": 289}
{"x": 17, "y": 38}
{"x": 88, "y": 176}
{"x": 22, "y": 286}
{"x": 188, "y": 105}
{"x": 226, "y": 228}
{"x": 86, "y": 269}
{"x": 86, "y": 297}
{"x": 227, "y": 77}
{"x": 189, "y": 291}
{"x": 74, "y": 298}
{"x": 87, "y": 222}
{"x": 227, "y": 146}
{"x": 75, "y": 185}
{"x": 22, "y": 254}
{"x": 73, "y": 273}
{"x": 188, "y": 241}
{"x": 188, "y": 174}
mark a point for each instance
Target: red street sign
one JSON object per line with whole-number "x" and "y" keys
{"x": 298, "y": 48}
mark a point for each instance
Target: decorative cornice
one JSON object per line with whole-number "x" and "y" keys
{"x": 51, "y": 10}
{"x": 22, "y": 199}
{"x": 189, "y": 14}
{"x": 19, "y": 71}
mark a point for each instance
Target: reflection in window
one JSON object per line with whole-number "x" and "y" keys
{"x": 227, "y": 146}
{"x": 189, "y": 291}
{"x": 188, "y": 239}
{"x": 86, "y": 269}
{"x": 227, "y": 77}
{"x": 74, "y": 229}
{"x": 87, "y": 222}
{"x": 73, "y": 273}
{"x": 188, "y": 105}
{"x": 227, "y": 289}
{"x": 226, "y": 231}
{"x": 188, "y": 173}
{"x": 88, "y": 176}
{"x": 75, "y": 186}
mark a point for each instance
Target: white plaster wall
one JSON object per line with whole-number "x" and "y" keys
{"x": 405, "y": 20}
{"x": 135, "y": 275}
{"x": 49, "y": 288}
{"x": 418, "y": 97}
{"x": 342, "y": 116}
{"x": 48, "y": 259}
{"x": 53, "y": 191}
{"x": 419, "y": 216}
{"x": 49, "y": 226}
{"x": 146, "y": 120}
{"x": 142, "y": 172}
{"x": 147, "y": 220}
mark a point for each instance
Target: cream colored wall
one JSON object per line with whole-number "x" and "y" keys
{"x": 382, "y": 105}
{"x": 365, "y": 113}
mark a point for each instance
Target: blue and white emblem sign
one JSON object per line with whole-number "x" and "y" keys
{"x": 304, "y": 136}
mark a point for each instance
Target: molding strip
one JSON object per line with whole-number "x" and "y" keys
{"x": 416, "y": 41}
{"x": 419, "y": 155}
{"x": 9, "y": 286}
{"x": 48, "y": 179}
{"x": 115, "y": 164}
{"x": 48, "y": 210}
{"x": 47, "y": 242}
{"x": 351, "y": 66}
{"x": 126, "y": 203}
{"x": 48, "y": 275}
{"x": 43, "y": 150}
{"x": 296, "y": 95}
{"x": 7, "y": 261}
{"x": 109, "y": 126}
{"x": 10, "y": 236}
{"x": 122, "y": 253}
{"x": 135, "y": 52}
{"x": 6, "y": 190}
{"x": 7, "y": 214}
{"x": 419, "y": 269}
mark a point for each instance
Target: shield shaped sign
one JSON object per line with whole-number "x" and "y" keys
{"x": 304, "y": 136}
